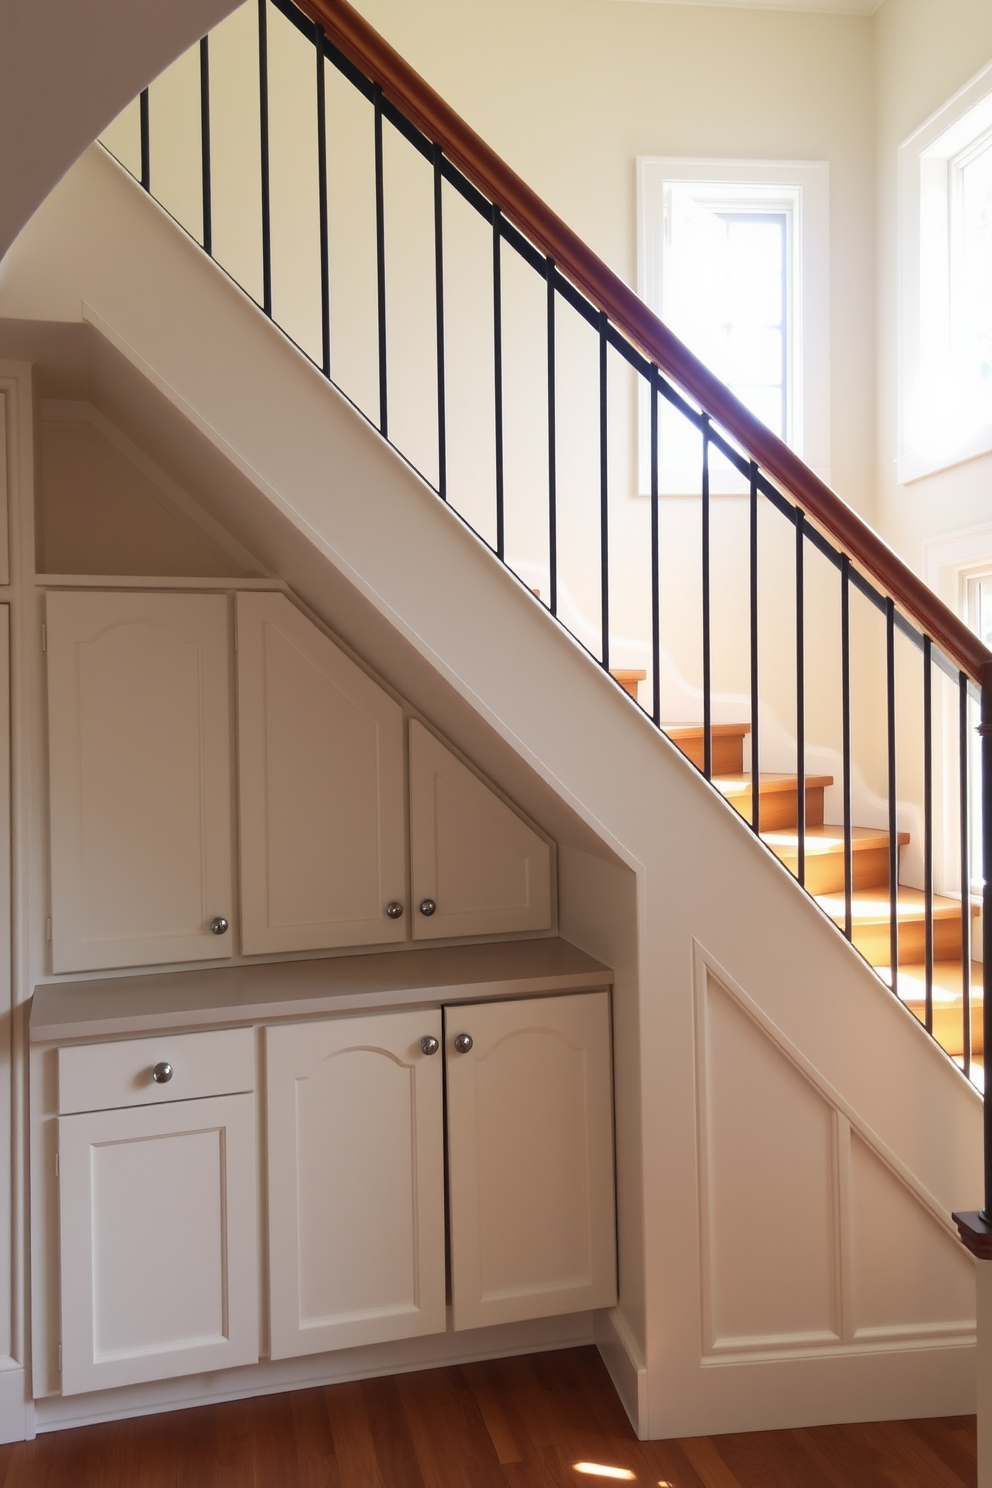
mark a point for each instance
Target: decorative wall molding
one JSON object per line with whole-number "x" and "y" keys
{"x": 815, "y": 1239}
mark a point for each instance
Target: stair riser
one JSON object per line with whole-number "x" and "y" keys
{"x": 947, "y": 1029}
{"x": 778, "y": 808}
{"x": 825, "y": 872}
{"x": 728, "y": 754}
{"x": 873, "y": 941}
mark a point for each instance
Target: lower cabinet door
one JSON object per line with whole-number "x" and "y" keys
{"x": 158, "y": 1221}
{"x": 356, "y": 1181}
{"x": 530, "y": 1158}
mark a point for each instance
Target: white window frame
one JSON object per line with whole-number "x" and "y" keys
{"x": 927, "y": 161}
{"x": 802, "y": 188}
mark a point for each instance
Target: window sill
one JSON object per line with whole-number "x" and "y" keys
{"x": 916, "y": 465}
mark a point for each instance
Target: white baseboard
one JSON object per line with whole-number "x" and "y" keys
{"x": 16, "y": 1411}
{"x": 626, "y": 1367}
{"x": 275, "y": 1377}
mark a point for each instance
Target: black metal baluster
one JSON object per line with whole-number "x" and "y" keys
{"x": 144, "y": 127}
{"x": 604, "y": 492}
{"x": 928, "y": 830}
{"x": 205, "y": 191}
{"x": 755, "y": 708}
{"x": 705, "y": 520}
{"x": 845, "y": 684}
{"x": 552, "y": 443}
{"x": 985, "y": 732}
{"x": 380, "y": 263}
{"x": 498, "y": 378}
{"x": 655, "y": 557}
{"x": 800, "y": 700}
{"x": 965, "y": 874}
{"x": 890, "y": 708}
{"x": 325, "y": 266}
{"x": 442, "y": 436}
{"x": 263, "y": 142}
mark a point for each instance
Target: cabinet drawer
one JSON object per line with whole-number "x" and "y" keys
{"x": 99, "y": 1077}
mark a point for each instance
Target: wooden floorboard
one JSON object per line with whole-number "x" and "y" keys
{"x": 505, "y": 1423}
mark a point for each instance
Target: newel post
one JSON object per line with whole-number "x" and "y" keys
{"x": 976, "y": 1228}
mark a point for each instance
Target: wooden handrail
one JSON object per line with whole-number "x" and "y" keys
{"x": 353, "y": 35}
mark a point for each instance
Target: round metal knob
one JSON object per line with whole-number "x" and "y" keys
{"x": 162, "y": 1073}
{"x": 463, "y": 1043}
{"x": 394, "y": 909}
{"x": 219, "y": 925}
{"x": 429, "y": 1044}
{"x": 427, "y": 907}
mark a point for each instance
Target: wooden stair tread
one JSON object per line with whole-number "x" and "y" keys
{"x": 769, "y": 782}
{"x": 828, "y": 839}
{"x": 946, "y": 983}
{"x": 871, "y": 906}
{"x": 680, "y": 731}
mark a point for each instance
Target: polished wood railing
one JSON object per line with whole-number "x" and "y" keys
{"x": 404, "y": 87}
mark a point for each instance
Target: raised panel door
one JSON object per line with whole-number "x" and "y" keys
{"x": 158, "y": 1224}
{"x": 530, "y": 1158}
{"x": 140, "y": 775}
{"x": 321, "y": 780}
{"x": 356, "y": 1182}
{"x": 482, "y": 867}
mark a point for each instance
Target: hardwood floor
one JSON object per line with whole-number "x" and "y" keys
{"x": 512, "y": 1423}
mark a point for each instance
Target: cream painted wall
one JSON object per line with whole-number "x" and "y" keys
{"x": 926, "y": 51}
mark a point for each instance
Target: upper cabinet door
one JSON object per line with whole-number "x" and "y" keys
{"x": 139, "y": 760}
{"x": 484, "y": 870}
{"x": 323, "y": 835}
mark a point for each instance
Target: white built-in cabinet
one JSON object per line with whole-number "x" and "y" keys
{"x": 356, "y": 828}
{"x": 321, "y": 784}
{"x": 355, "y": 1160}
{"x": 139, "y": 752}
{"x": 157, "y": 1208}
{"x": 356, "y": 1181}
{"x": 483, "y": 869}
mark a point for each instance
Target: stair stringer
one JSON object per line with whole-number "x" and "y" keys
{"x": 336, "y": 512}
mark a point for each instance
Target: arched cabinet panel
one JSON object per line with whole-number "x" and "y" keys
{"x": 530, "y": 1158}
{"x": 356, "y": 1181}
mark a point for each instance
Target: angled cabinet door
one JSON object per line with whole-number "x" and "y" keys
{"x": 483, "y": 869}
{"x": 530, "y": 1158}
{"x": 159, "y": 1272}
{"x": 139, "y": 695}
{"x": 321, "y": 772}
{"x": 356, "y": 1181}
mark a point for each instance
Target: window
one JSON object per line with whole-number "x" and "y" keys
{"x": 946, "y": 285}
{"x": 733, "y": 259}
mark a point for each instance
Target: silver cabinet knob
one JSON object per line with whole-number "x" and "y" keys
{"x": 463, "y": 1043}
{"x": 427, "y": 907}
{"x": 429, "y": 1044}
{"x": 394, "y": 909}
{"x": 219, "y": 925}
{"x": 162, "y": 1073}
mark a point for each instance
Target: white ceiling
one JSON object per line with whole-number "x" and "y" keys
{"x": 835, "y": 7}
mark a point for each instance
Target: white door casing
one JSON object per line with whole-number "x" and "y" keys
{"x": 321, "y": 781}
{"x": 486, "y": 870}
{"x": 139, "y": 763}
{"x": 159, "y": 1268}
{"x": 356, "y": 1181}
{"x": 530, "y": 1159}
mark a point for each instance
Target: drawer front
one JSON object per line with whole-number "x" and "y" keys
{"x": 100, "y": 1077}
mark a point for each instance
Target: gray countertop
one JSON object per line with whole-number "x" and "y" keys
{"x": 259, "y": 993}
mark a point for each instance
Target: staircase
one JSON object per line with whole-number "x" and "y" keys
{"x": 824, "y": 879}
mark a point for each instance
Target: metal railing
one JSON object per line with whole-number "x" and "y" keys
{"x": 949, "y": 660}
